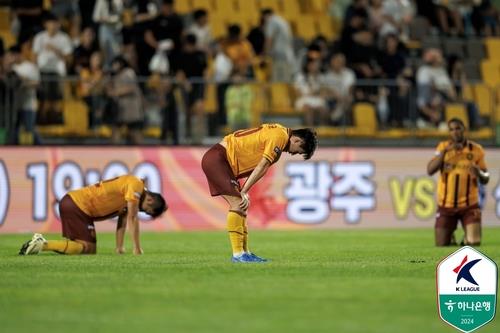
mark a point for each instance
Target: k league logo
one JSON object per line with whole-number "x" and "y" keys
{"x": 467, "y": 289}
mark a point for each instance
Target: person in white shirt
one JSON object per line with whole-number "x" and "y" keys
{"x": 53, "y": 49}
{"x": 201, "y": 30}
{"x": 279, "y": 45}
{"x": 107, "y": 13}
{"x": 338, "y": 82}
{"x": 26, "y": 100}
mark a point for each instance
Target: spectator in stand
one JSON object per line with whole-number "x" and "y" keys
{"x": 310, "y": 100}
{"x": 239, "y": 50}
{"x": 459, "y": 79}
{"x": 223, "y": 67}
{"x": 166, "y": 30}
{"x": 107, "y": 13}
{"x": 189, "y": 67}
{"x": 358, "y": 45}
{"x": 452, "y": 11}
{"x": 393, "y": 65}
{"x": 26, "y": 103}
{"x": 257, "y": 38}
{"x": 82, "y": 53}
{"x": 434, "y": 90}
{"x": 398, "y": 16}
{"x": 485, "y": 18}
{"x": 239, "y": 98}
{"x": 92, "y": 89}
{"x": 201, "y": 30}
{"x": 279, "y": 46}
{"x": 29, "y": 17}
{"x": 145, "y": 12}
{"x": 68, "y": 13}
{"x": 86, "y": 9}
{"x": 338, "y": 82}
{"x": 127, "y": 98}
{"x": 53, "y": 49}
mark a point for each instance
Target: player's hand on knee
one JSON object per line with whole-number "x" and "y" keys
{"x": 245, "y": 201}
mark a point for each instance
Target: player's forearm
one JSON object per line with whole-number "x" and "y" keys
{"x": 435, "y": 164}
{"x": 133, "y": 223}
{"x": 120, "y": 232}
{"x": 256, "y": 174}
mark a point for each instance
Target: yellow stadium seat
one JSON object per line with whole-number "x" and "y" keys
{"x": 484, "y": 99}
{"x": 8, "y": 38}
{"x": 208, "y": 5}
{"x": 4, "y": 18}
{"x": 492, "y": 47}
{"x": 218, "y": 26}
{"x": 457, "y": 111}
{"x": 225, "y": 7}
{"x": 468, "y": 93}
{"x": 318, "y": 6}
{"x": 210, "y": 98}
{"x": 497, "y": 112}
{"x": 490, "y": 72}
{"x": 291, "y": 9}
{"x": 325, "y": 26}
{"x": 280, "y": 98}
{"x": 270, "y": 4}
{"x": 247, "y": 7}
{"x": 75, "y": 116}
{"x": 365, "y": 119}
{"x": 306, "y": 27}
{"x": 183, "y": 7}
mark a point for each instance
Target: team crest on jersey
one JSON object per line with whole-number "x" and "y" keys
{"x": 470, "y": 156}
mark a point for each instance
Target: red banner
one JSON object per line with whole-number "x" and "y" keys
{"x": 338, "y": 188}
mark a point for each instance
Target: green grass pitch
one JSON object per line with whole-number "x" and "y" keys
{"x": 318, "y": 281}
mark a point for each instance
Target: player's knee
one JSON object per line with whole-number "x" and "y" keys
{"x": 89, "y": 248}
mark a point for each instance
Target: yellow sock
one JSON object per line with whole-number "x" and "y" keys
{"x": 245, "y": 236}
{"x": 235, "y": 227}
{"x": 63, "y": 246}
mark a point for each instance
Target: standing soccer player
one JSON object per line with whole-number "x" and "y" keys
{"x": 249, "y": 153}
{"x": 462, "y": 166}
{"x": 122, "y": 196}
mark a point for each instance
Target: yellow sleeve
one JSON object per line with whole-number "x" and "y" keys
{"x": 134, "y": 191}
{"x": 480, "y": 162}
{"x": 440, "y": 147}
{"x": 274, "y": 146}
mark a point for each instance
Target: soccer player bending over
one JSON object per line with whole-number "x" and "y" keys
{"x": 249, "y": 153}
{"x": 122, "y": 196}
{"x": 462, "y": 166}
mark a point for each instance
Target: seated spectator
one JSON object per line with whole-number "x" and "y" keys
{"x": 92, "y": 89}
{"x": 53, "y": 49}
{"x": 485, "y": 18}
{"x": 310, "y": 100}
{"x": 82, "y": 53}
{"x": 126, "y": 103}
{"x": 452, "y": 11}
{"x": 239, "y": 102}
{"x": 338, "y": 82}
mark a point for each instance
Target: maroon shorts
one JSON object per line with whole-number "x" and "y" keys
{"x": 448, "y": 218}
{"x": 220, "y": 177}
{"x": 75, "y": 223}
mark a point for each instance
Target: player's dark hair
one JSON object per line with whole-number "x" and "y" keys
{"x": 456, "y": 121}
{"x": 159, "y": 206}
{"x": 310, "y": 140}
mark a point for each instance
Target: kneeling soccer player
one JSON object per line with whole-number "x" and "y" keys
{"x": 122, "y": 196}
